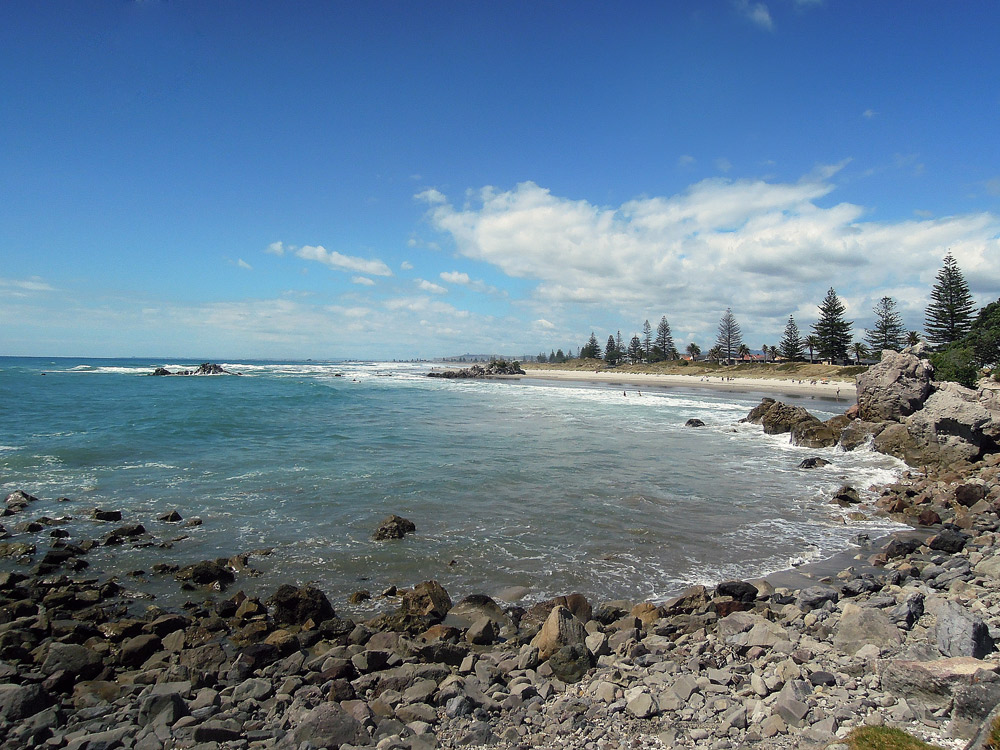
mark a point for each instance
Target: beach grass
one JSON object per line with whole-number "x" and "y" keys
{"x": 885, "y": 738}
{"x": 757, "y": 370}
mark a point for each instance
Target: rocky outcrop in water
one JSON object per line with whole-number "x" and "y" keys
{"x": 493, "y": 369}
{"x": 394, "y": 527}
{"x": 206, "y": 368}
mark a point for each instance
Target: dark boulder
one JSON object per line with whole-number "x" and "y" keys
{"x": 948, "y": 540}
{"x": 394, "y": 527}
{"x": 206, "y": 573}
{"x": 570, "y": 663}
{"x": 427, "y": 599}
{"x": 295, "y": 606}
{"x": 813, "y": 462}
{"x": 694, "y": 423}
{"x": 741, "y": 591}
{"x": 847, "y": 495}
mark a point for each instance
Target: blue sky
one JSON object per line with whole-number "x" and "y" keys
{"x": 392, "y": 180}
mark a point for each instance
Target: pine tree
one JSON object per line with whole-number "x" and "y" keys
{"x": 791, "y": 342}
{"x": 949, "y": 315}
{"x": 832, "y": 331}
{"x": 591, "y": 350}
{"x": 730, "y": 337}
{"x": 888, "y": 332}
{"x": 635, "y": 350}
{"x": 647, "y": 340}
{"x": 665, "y": 340}
{"x": 611, "y": 352}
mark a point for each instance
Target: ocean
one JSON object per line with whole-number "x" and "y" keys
{"x": 518, "y": 488}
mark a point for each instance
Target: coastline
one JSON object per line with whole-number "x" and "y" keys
{"x": 835, "y": 390}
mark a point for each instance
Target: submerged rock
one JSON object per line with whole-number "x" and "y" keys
{"x": 394, "y": 527}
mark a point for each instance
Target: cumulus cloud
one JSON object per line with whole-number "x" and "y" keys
{"x": 767, "y": 249}
{"x": 430, "y": 286}
{"x": 406, "y": 266}
{"x": 455, "y": 277}
{"x": 546, "y": 324}
{"x": 362, "y": 280}
{"x": 275, "y": 248}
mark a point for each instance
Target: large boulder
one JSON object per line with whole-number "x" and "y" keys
{"x": 778, "y": 418}
{"x": 860, "y": 626}
{"x": 394, "y": 527}
{"x": 561, "y": 628}
{"x": 294, "y": 606}
{"x": 329, "y": 725}
{"x": 956, "y": 423}
{"x": 932, "y": 683}
{"x": 894, "y": 388}
{"x": 428, "y": 599}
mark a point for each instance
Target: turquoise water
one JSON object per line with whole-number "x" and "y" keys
{"x": 552, "y": 487}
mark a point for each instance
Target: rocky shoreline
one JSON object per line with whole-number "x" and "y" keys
{"x": 902, "y": 635}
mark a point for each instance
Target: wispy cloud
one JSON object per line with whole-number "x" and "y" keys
{"x": 331, "y": 258}
{"x": 406, "y": 266}
{"x": 24, "y": 287}
{"x": 362, "y": 280}
{"x": 869, "y": 114}
{"x": 243, "y": 264}
{"x": 756, "y": 13}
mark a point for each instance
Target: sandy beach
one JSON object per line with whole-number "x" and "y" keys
{"x": 826, "y": 389}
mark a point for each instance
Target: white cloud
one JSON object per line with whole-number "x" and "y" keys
{"x": 22, "y": 286}
{"x": 362, "y": 280}
{"x": 406, "y": 266}
{"x": 757, "y": 13}
{"x": 430, "y": 286}
{"x": 723, "y": 164}
{"x": 275, "y": 248}
{"x": 869, "y": 114}
{"x": 455, "y": 277}
{"x": 340, "y": 262}
{"x": 767, "y": 249}
{"x": 432, "y": 196}
{"x": 243, "y": 264}
{"x": 546, "y": 324}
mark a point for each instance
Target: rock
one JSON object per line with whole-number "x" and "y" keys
{"x": 815, "y": 596}
{"x": 18, "y": 702}
{"x": 296, "y": 606}
{"x": 483, "y": 632}
{"x": 860, "y": 626}
{"x": 206, "y": 573}
{"x": 73, "y": 658}
{"x": 641, "y": 704}
{"x": 956, "y": 424}
{"x": 106, "y": 515}
{"x": 570, "y": 663}
{"x": 740, "y": 590}
{"x": 948, "y": 540}
{"x": 394, "y": 527}
{"x": 959, "y": 633}
{"x": 329, "y": 725}
{"x": 932, "y": 683}
{"x": 973, "y": 703}
{"x": 813, "y": 462}
{"x": 778, "y": 418}
{"x": 428, "y": 599}
{"x": 135, "y": 651}
{"x": 859, "y": 434}
{"x": 847, "y": 495}
{"x": 970, "y": 493}
{"x": 171, "y": 517}
{"x": 812, "y": 433}
{"x": 494, "y": 368}
{"x": 694, "y": 423}
{"x": 901, "y": 548}
{"x": 894, "y": 388}
{"x": 560, "y": 629}
{"x": 477, "y": 606}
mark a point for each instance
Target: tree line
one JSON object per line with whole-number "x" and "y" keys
{"x": 961, "y": 343}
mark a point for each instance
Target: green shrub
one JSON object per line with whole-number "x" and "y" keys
{"x": 885, "y": 738}
{"x": 956, "y": 363}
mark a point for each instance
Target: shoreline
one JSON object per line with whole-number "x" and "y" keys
{"x": 833, "y": 390}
